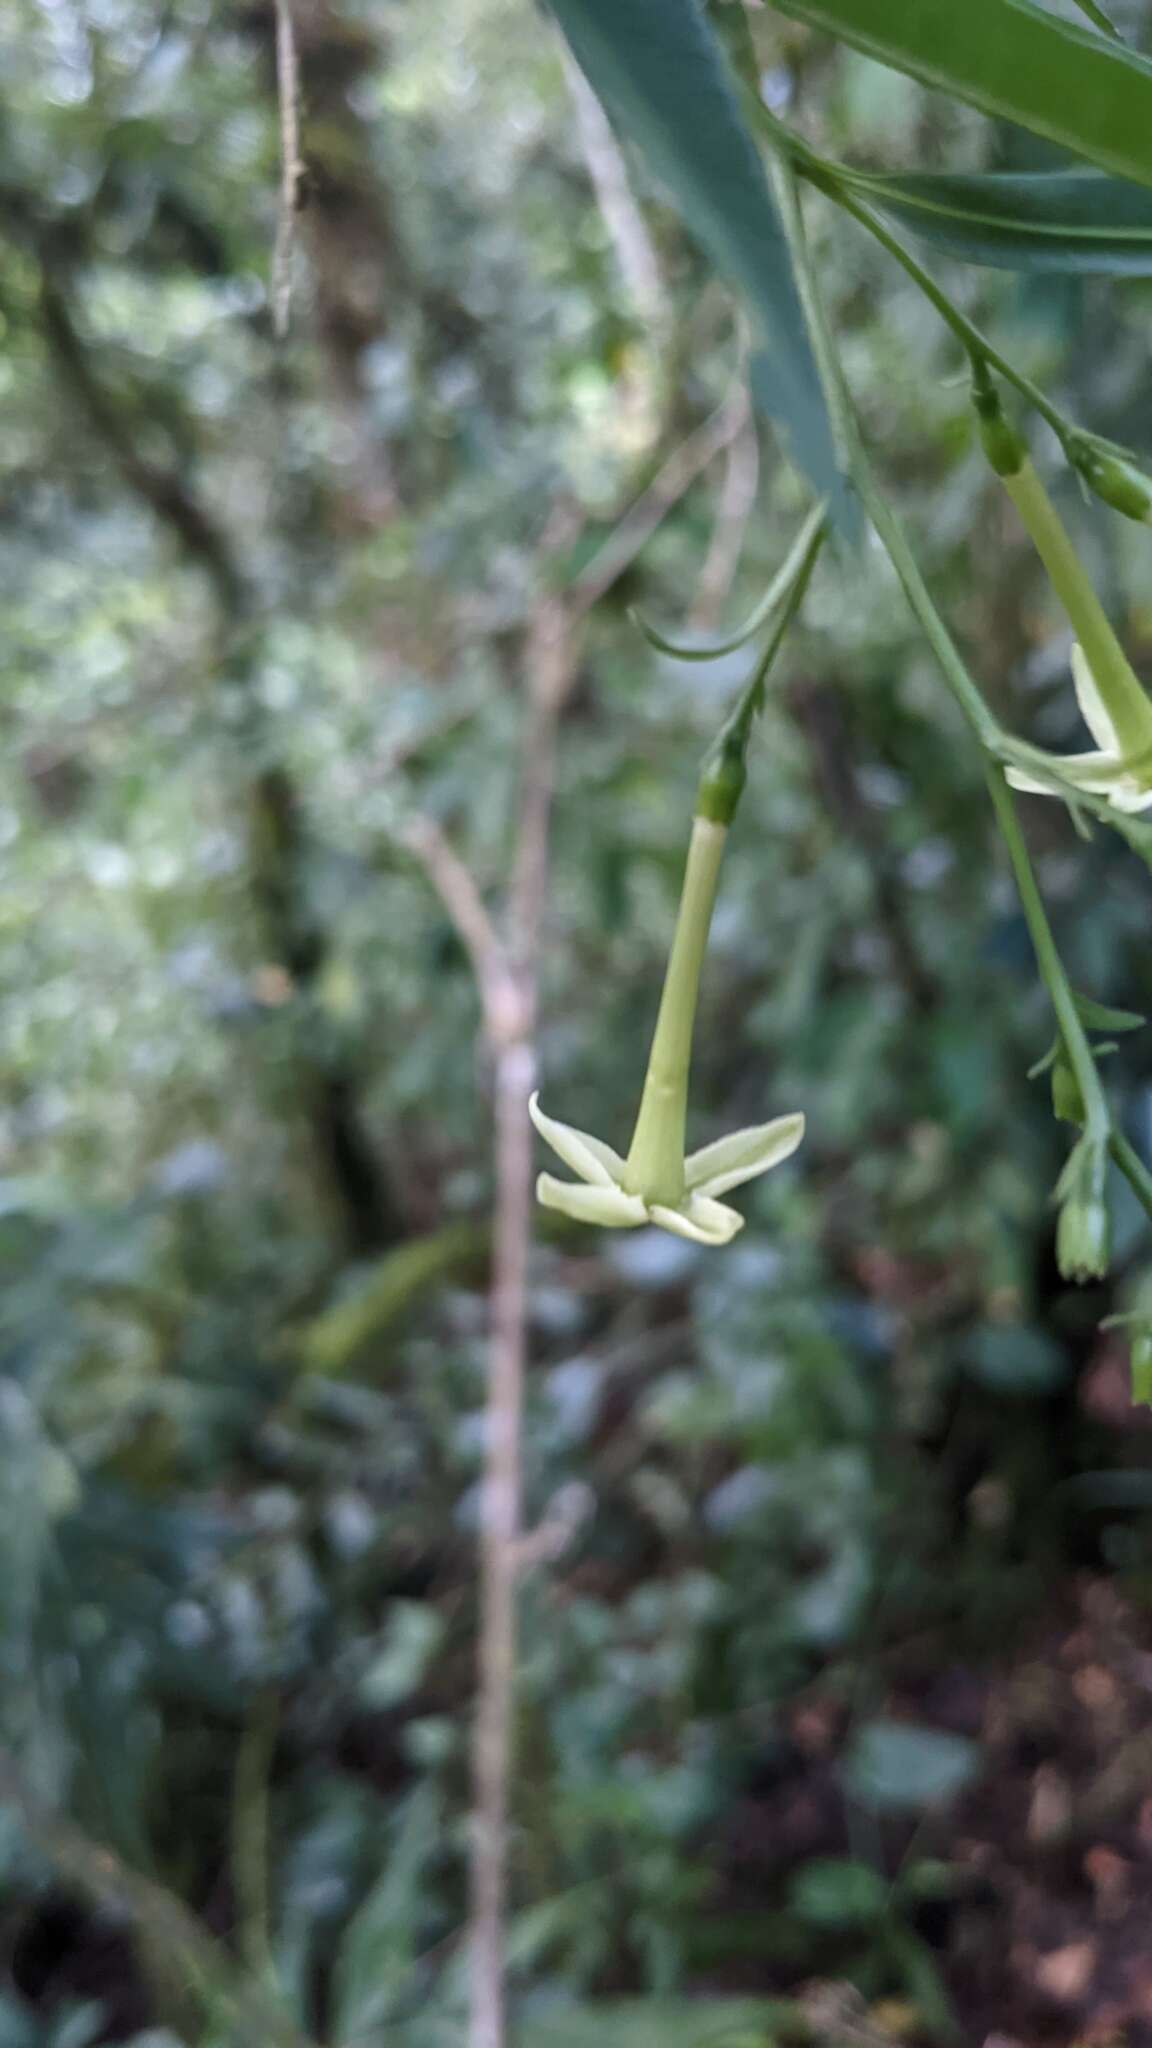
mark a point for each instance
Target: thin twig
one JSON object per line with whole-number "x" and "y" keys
{"x": 292, "y": 168}
{"x": 499, "y": 1546}
{"x": 456, "y": 887}
{"x": 552, "y": 661}
{"x": 551, "y": 665}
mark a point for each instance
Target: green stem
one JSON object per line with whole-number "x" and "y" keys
{"x": 1097, "y": 1121}
{"x": 1124, "y": 697}
{"x": 724, "y": 770}
{"x": 1133, "y": 1168}
{"x": 798, "y": 563}
{"x": 655, "y": 1165}
{"x": 798, "y": 570}
{"x": 1121, "y": 689}
{"x": 830, "y": 179}
{"x": 837, "y": 182}
{"x": 790, "y": 158}
{"x": 966, "y": 692}
{"x": 956, "y": 674}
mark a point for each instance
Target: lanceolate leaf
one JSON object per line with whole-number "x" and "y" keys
{"x": 1014, "y": 60}
{"x": 1049, "y": 220}
{"x": 658, "y": 68}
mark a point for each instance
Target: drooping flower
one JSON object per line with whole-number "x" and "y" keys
{"x": 1125, "y": 780}
{"x": 1083, "y": 1233}
{"x": 603, "y": 1194}
{"x": 656, "y": 1183}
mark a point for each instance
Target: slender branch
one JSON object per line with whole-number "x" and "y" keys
{"x": 1132, "y": 1167}
{"x": 292, "y": 168}
{"x": 551, "y": 659}
{"x": 499, "y": 1547}
{"x": 456, "y": 887}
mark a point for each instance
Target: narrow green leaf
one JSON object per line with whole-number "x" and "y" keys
{"x": 1048, "y": 220}
{"x": 1103, "y": 1017}
{"x": 1015, "y": 61}
{"x": 662, "y": 76}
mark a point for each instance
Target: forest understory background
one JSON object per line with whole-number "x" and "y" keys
{"x": 336, "y": 780}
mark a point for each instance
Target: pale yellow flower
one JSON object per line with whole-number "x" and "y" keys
{"x": 605, "y": 1194}
{"x": 656, "y": 1183}
{"x": 1107, "y": 772}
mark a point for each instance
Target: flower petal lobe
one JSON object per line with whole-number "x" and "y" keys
{"x": 703, "y": 1222}
{"x": 590, "y": 1157}
{"x": 610, "y": 1207}
{"x": 1092, "y": 705}
{"x": 742, "y": 1155}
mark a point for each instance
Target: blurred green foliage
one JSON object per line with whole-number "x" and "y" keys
{"x": 260, "y": 603}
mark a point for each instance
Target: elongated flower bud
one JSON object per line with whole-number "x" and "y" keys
{"x": 1083, "y": 1233}
{"x": 1082, "y": 1239}
{"x": 723, "y": 776}
{"x": 1119, "y": 483}
{"x": 1005, "y": 448}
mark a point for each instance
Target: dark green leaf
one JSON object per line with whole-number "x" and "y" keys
{"x": 662, "y": 76}
{"x": 1012, "y": 60}
{"x": 1049, "y": 220}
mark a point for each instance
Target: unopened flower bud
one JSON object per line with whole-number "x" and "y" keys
{"x": 1006, "y": 450}
{"x": 722, "y": 778}
{"x": 1119, "y": 483}
{"x": 1082, "y": 1238}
